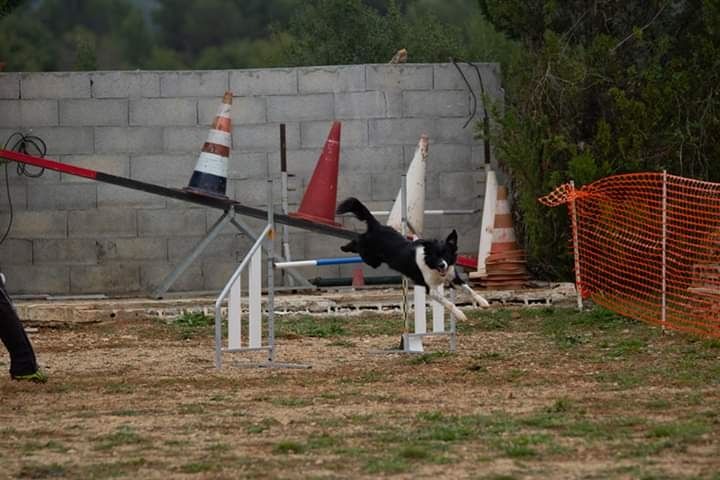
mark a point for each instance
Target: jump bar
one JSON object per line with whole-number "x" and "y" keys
{"x": 183, "y": 195}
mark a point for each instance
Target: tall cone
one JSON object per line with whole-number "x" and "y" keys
{"x": 318, "y": 204}
{"x": 415, "y": 192}
{"x": 506, "y": 263}
{"x": 210, "y": 175}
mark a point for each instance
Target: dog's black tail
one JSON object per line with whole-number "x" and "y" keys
{"x": 355, "y": 206}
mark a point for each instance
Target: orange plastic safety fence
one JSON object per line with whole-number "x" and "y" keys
{"x": 649, "y": 248}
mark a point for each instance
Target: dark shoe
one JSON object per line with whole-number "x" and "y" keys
{"x": 38, "y": 377}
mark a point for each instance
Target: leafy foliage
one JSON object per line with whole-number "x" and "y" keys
{"x": 606, "y": 88}
{"x": 207, "y": 34}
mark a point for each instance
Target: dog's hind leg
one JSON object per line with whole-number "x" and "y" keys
{"x": 449, "y": 306}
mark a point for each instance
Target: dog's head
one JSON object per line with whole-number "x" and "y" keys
{"x": 441, "y": 255}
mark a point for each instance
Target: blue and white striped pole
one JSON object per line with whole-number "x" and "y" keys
{"x": 318, "y": 262}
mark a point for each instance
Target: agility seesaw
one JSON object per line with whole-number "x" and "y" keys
{"x": 230, "y": 207}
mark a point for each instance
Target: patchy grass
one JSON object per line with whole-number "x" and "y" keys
{"x": 534, "y": 393}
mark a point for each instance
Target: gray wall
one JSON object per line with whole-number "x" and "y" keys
{"x": 74, "y": 236}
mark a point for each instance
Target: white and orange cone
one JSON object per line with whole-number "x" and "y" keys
{"x": 506, "y": 262}
{"x": 210, "y": 175}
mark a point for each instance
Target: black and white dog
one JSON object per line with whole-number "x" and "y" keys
{"x": 430, "y": 263}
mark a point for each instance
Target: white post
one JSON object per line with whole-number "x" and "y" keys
{"x": 576, "y": 248}
{"x": 255, "y": 295}
{"x": 235, "y": 315}
{"x": 663, "y": 312}
{"x": 420, "y": 314}
{"x": 438, "y": 313}
{"x": 403, "y": 231}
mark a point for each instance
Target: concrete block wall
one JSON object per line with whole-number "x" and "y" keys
{"x": 73, "y": 236}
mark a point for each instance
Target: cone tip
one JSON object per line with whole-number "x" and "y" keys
{"x": 423, "y": 143}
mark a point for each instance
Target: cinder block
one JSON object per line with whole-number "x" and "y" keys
{"x": 446, "y": 77}
{"x": 244, "y": 110}
{"x": 228, "y": 247}
{"x": 163, "y": 111}
{"x": 371, "y": 159}
{"x": 16, "y": 252}
{"x": 94, "y": 112}
{"x": 115, "y": 196}
{"x": 478, "y": 156}
{"x": 394, "y": 100}
{"x": 346, "y": 78}
{"x": 184, "y": 139}
{"x": 273, "y": 81}
{"x": 37, "y": 279}
{"x": 300, "y": 162}
{"x": 55, "y": 85}
{"x": 102, "y": 223}
{"x": 353, "y": 133}
{"x": 125, "y": 84}
{"x": 28, "y": 113}
{"x": 18, "y": 195}
{"x": 111, "y": 164}
{"x": 385, "y": 187}
{"x": 194, "y": 84}
{"x": 360, "y": 105}
{"x": 66, "y": 140}
{"x": 297, "y": 108}
{"x": 171, "y": 222}
{"x": 108, "y": 279}
{"x": 322, "y": 246}
{"x": 152, "y": 275}
{"x": 436, "y": 103}
{"x": 247, "y": 165}
{"x": 10, "y": 85}
{"x": 216, "y": 273}
{"x": 403, "y": 77}
{"x": 444, "y": 157}
{"x": 408, "y": 131}
{"x": 131, "y": 249}
{"x": 62, "y": 197}
{"x": 462, "y": 187}
{"x": 356, "y": 185}
{"x": 128, "y": 140}
{"x": 168, "y": 170}
{"x": 253, "y": 192}
{"x": 65, "y": 251}
{"x": 264, "y": 137}
{"x": 32, "y": 224}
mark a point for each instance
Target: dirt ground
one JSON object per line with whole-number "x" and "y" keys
{"x": 530, "y": 393}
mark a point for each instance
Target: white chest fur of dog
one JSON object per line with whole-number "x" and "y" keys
{"x": 433, "y": 278}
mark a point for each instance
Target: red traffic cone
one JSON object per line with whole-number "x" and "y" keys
{"x": 318, "y": 204}
{"x": 210, "y": 175}
{"x": 358, "y": 279}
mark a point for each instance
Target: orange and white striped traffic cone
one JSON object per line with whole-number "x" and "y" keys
{"x": 210, "y": 175}
{"x": 506, "y": 263}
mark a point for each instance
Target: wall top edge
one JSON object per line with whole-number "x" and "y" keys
{"x": 313, "y": 67}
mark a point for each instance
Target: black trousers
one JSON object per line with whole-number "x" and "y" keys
{"x": 13, "y": 336}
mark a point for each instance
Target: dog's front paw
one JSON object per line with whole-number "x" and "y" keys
{"x": 459, "y": 315}
{"x": 480, "y": 300}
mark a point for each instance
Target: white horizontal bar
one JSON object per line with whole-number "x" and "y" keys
{"x": 432, "y": 212}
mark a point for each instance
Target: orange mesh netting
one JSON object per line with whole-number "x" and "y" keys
{"x": 648, "y": 247}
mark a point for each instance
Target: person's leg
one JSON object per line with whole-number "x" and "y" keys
{"x": 23, "y": 364}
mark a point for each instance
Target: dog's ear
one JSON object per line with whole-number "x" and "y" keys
{"x": 452, "y": 239}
